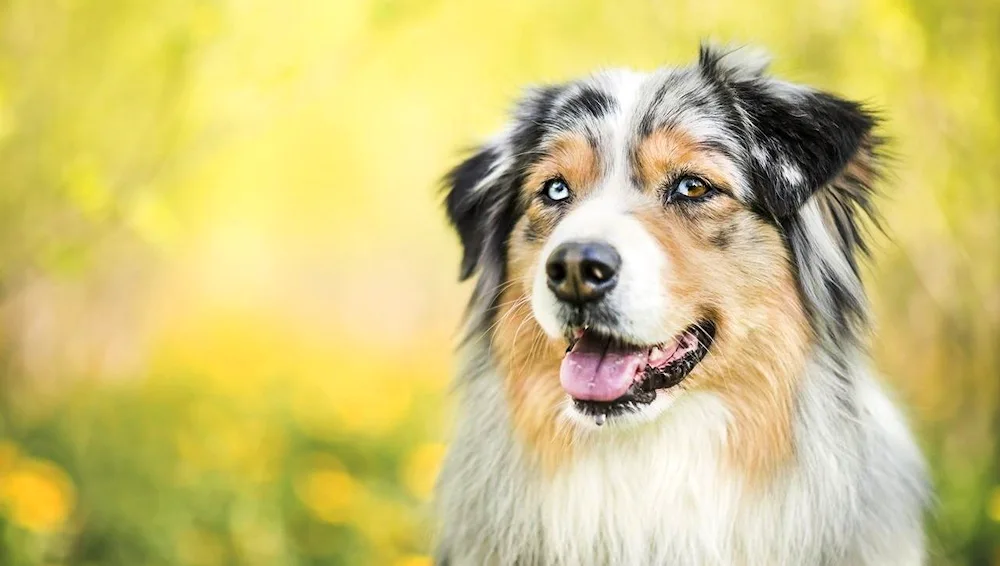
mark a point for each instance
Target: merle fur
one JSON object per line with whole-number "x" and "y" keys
{"x": 587, "y": 103}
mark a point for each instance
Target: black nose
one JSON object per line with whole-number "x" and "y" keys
{"x": 581, "y": 272}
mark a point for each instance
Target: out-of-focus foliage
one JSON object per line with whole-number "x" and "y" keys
{"x": 227, "y": 294}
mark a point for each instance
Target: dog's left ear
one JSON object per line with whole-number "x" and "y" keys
{"x": 799, "y": 139}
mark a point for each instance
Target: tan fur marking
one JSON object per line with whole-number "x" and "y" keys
{"x": 530, "y": 361}
{"x": 762, "y": 334}
{"x": 571, "y": 158}
{"x": 669, "y": 150}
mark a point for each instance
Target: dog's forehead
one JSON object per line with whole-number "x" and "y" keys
{"x": 620, "y": 107}
{"x": 617, "y": 109}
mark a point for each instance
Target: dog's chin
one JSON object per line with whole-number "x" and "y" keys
{"x": 610, "y": 380}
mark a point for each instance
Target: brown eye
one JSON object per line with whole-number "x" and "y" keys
{"x": 690, "y": 188}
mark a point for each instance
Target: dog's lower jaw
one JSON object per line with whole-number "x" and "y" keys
{"x": 851, "y": 495}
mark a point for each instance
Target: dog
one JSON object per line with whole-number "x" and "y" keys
{"x": 665, "y": 361}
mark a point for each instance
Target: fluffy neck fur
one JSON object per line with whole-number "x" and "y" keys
{"x": 852, "y": 494}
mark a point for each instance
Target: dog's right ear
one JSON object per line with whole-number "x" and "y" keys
{"x": 482, "y": 200}
{"x": 475, "y": 198}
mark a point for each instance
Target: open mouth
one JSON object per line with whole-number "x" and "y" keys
{"x": 607, "y": 377}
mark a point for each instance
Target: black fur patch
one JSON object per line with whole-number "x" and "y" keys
{"x": 588, "y": 103}
{"x": 534, "y": 119}
{"x": 796, "y": 139}
{"x": 464, "y": 209}
{"x": 814, "y": 137}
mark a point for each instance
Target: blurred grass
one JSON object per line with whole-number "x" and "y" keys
{"x": 227, "y": 296}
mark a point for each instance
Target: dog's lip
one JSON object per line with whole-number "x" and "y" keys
{"x": 667, "y": 370}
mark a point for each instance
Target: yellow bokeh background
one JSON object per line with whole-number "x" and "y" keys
{"x": 229, "y": 297}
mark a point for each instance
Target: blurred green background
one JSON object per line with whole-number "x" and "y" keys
{"x": 228, "y": 295}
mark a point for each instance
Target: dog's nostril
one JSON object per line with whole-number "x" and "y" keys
{"x": 597, "y": 272}
{"x": 556, "y": 270}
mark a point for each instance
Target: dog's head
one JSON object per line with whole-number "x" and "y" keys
{"x": 639, "y": 236}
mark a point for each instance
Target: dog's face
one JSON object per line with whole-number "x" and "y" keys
{"x": 632, "y": 233}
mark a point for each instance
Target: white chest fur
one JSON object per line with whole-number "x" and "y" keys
{"x": 645, "y": 496}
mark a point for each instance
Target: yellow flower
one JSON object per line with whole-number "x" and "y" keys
{"x": 358, "y": 411}
{"x": 993, "y": 505}
{"x": 328, "y": 491}
{"x": 413, "y": 560}
{"x": 38, "y": 495}
{"x": 420, "y": 469}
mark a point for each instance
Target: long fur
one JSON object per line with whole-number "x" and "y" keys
{"x": 854, "y": 488}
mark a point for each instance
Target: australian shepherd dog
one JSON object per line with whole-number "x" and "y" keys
{"x": 666, "y": 361}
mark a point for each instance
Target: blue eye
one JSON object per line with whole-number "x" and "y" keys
{"x": 556, "y": 190}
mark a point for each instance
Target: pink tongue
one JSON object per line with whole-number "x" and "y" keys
{"x": 593, "y": 371}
